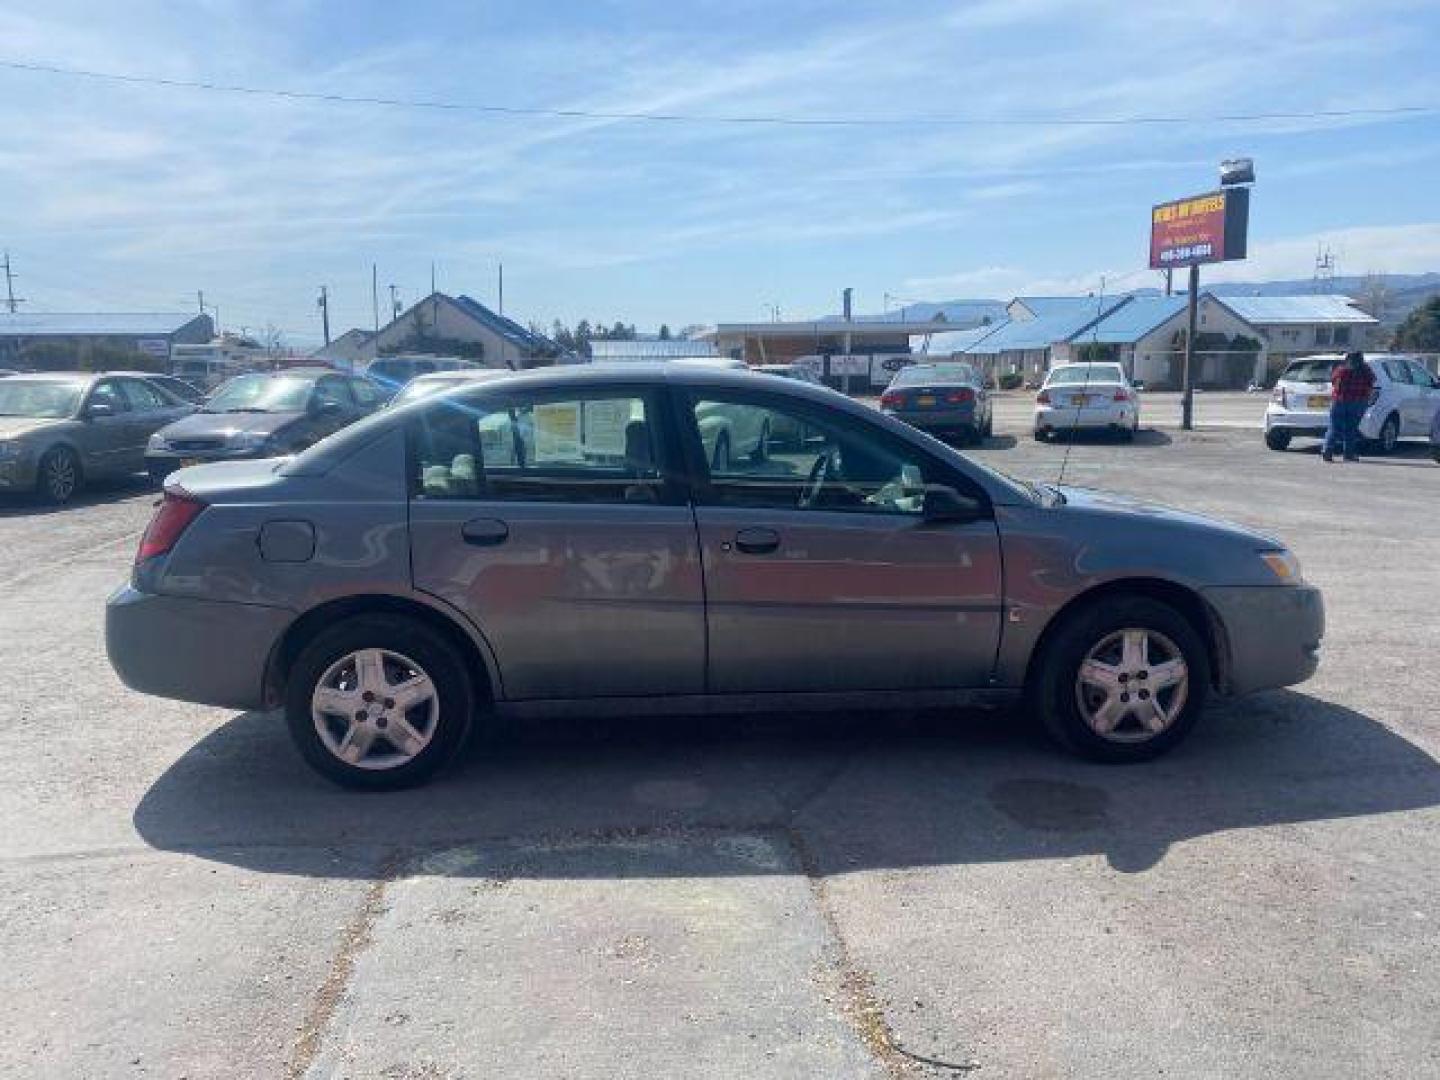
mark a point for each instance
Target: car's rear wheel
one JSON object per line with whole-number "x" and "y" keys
{"x": 1277, "y": 439}
{"x": 1389, "y": 435}
{"x": 1124, "y": 680}
{"x": 379, "y": 702}
{"x": 59, "y": 476}
{"x": 1040, "y": 436}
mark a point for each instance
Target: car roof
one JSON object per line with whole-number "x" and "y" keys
{"x": 61, "y": 376}
{"x": 476, "y": 374}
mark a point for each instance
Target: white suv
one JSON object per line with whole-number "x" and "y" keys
{"x": 1404, "y": 403}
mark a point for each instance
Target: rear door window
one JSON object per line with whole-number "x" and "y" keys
{"x": 600, "y": 447}
{"x": 1397, "y": 371}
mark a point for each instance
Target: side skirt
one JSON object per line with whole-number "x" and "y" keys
{"x": 720, "y": 704}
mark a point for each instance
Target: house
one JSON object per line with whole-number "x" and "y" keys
{"x": 1294, "y": 326}
{"x": 610, "y": 351}
{"x": 60, "y": 340}
{"x": 1024, "y": 344}
{"x": 442, "y": 325}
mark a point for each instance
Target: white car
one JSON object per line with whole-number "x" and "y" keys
{"x": 438, "y": 381}
{"x": 1087, "y": 397}
{"x": 1404, "y": 404}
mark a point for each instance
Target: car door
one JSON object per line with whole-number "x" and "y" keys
{"x": 106, "y": 431}
{"x": 150, "y": 410}
{"x": 1426, "y": 397}
{"x": 551, "y": 519}
{"x": 823, "y": 571}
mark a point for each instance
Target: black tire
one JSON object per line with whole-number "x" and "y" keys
{"x": 1389, "y": 435}
{"x": 429, "y": 650}
{"x": 1277, "y": 439}
{"x": 1040, "y": 436}
{"x": 1127, "y": 435}
{"x": 989, "y": 429}
{"x": 59, "y": 477}
{"x": 158, "y": 475}
{"x": 1053, "y": 690}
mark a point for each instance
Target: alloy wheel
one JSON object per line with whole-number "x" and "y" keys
{"x": 375, "y": 709}
{"x": 61, "y": 477}
{"x": 1132, "y": 685}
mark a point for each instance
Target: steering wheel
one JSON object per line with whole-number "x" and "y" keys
{"x": 820, "y": 473}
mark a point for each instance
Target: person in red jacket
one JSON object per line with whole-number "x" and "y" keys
{"x": 1351, "y": 384}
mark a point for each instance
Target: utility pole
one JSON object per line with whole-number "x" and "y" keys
{"x": 1187, "y": 402}
{"x": 432, "y": 277}
{"x": 375, "y": 295}
{"x": 324, "y": 303}
{"x": 1169, "y": 280}
{"x": 12, "y": 301}
{"x": 394, "y": 301}
{"x": 502, "y": 288}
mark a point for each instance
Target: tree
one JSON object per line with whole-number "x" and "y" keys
{"x": 583, "y": 334}
{"x": 664, "y": 332}
{"x": 1420, "y": 332}
{"x": 1373, "y": 296}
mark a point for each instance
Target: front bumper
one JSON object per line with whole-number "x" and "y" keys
{"x": 18, "y": 473}
{"x": 1060, "y": 418}
{"x": 1272, "y": 634}
{"x": 206, "y": 651}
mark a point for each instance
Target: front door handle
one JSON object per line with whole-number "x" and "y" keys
{"x": 485, "y": 532}
{"x": 757, "y": 541}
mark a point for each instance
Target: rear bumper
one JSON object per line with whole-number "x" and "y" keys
{"x": 205, "y": 651}
{"x": 1051, "y": 418}
{"x": 956, "y": 419}
{"x": 1272, "y": 633}
{"x": 1296, "y": 421}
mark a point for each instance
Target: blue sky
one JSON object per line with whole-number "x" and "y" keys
{"x": 124, "y": 197}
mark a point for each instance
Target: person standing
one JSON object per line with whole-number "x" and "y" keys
{"x": 1351, "y": 384}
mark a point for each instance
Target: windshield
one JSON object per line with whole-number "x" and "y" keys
{"x": 1073, "y": 374}
{"x": 935, "y": 373}
{"x": 42, "y": 399}
{"x": 1316, "y": 370}
{"x": 260, "y": 393}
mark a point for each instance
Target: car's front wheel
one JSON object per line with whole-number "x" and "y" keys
{"x": 59, "y": 476}
{"x": 379, "y": 702}
{"x": 1124, "y": 680}
{"x": 1277, "y": 439}
{"x": 1389, "y": 435}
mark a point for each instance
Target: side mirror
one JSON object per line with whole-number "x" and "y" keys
{"x": 99, "y": 411}
{"x": 946, "y": 505}
{"x": 322, "y": 407}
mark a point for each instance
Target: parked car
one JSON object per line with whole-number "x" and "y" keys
{"x": 1087, "y": 397}
{"x": 394, "y": 373}
{"x": 799, "y": 372}
{"x": 534, "y": 545}
{"x": 59, "y": 431}
{"x": 1435, "y": 437}
{"x": 438, "y": 381}
{"x": 262, "y": 415}
{"x": 1404, "y": 404}
{"x": 945, "y": 398}
{"x": 182, "y": 391}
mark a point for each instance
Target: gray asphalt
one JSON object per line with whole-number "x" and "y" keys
{"x": 797, "y": 896}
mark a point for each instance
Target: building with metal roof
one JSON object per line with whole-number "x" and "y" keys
{"x": 85, "y": 336}
{"x": 610, "y": 351}
{"x": 783, "y": 342}
{"x": 1289, "y": 310}
{"x": 1039, "y": 307}
{"x": 442, "y": 325}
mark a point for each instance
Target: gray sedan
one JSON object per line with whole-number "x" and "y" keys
{"x": 562, "y": 541}
{"x": 59, "y": 430}
{"x": 943, "y": 398}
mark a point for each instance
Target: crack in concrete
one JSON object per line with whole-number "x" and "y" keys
{"x": 356, "y": 937}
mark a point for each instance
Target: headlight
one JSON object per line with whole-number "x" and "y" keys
{"x": 1284, "y": 565}
{"x": 250, "y": 440}
{"x": 157, "y": 442}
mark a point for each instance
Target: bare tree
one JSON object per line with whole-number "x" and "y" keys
{"x": 1374, "y": 298}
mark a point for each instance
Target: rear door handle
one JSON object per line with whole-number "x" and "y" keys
{"x": 757, "y": 541}
{"x": 485, "y": 532}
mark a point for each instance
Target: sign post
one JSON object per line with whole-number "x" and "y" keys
{"x": 1187, "y": 232}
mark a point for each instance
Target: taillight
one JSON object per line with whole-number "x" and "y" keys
{"x": 1122, "y": 394}
{"x": 889, "y": 400}
{"x": 1043, "y": 398}
{"x": 177, "y": 510}
{"x": 1278, "y": 396}
{"x": 960, "y": 397}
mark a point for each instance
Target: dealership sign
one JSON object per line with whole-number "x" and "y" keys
{"x": 1201, "y": 229}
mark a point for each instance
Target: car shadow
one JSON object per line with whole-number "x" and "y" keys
{"x": 854, "y": 791}
{"x": 94, "y": 493}
{"x": 1143, "y": 437}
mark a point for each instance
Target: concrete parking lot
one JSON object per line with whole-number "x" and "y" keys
{"x": 798, "y": 896}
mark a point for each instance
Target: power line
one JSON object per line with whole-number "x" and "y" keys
{"x": 698, "y": 118}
